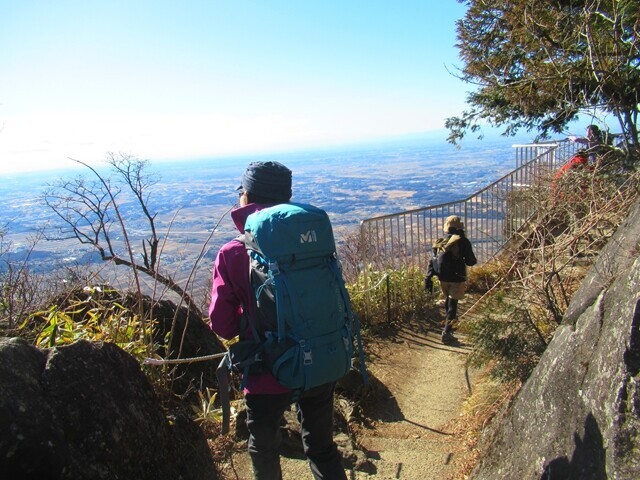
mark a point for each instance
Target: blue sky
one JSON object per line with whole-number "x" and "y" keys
{"x": 169, "y": 80}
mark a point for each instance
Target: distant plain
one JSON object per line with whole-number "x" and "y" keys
{"x": 191, "y": 197}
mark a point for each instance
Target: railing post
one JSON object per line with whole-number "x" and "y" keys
{"x": 388, "y": 300}
{"x": 365, "y": 269}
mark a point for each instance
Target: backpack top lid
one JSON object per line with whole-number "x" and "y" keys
{"x": 290, "y": 230}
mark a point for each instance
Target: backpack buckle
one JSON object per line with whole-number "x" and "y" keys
{"x": 307, "y": 357}
{"x": 273, "y": 268}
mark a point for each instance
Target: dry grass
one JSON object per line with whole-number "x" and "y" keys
{"x": 489, "y": 397}
{"x": 485, "y": 277}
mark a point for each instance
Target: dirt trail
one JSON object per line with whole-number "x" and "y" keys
{"x": 412, "y": 437}
{"x": 410, "y": 434}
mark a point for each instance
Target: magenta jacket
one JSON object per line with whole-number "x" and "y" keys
{"x": 231, "y": 293}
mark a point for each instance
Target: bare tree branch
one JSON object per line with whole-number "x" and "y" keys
{"x": 90, "y": 213}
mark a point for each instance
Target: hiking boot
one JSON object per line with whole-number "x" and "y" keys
{"x": 447, "y": 336}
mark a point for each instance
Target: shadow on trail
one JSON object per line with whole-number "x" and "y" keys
{"x": 428, "y": 336}
{"x": 384, "y": 407}
{"x": 433, "y": 341}
{"x": 380, "y": 404}
{"x": 425, "y": 332}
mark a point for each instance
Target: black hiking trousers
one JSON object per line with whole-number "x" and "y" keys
{"x": 315, "y": 414}
{"x": 451, "y": 307}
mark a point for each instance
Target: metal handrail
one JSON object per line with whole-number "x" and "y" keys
{"x": 491, "y": 216}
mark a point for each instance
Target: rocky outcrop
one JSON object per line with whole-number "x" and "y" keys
{"x": 578, "y": 415}
{"x": 86, "y": 411}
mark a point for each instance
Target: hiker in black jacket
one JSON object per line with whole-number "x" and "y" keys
{"x": 452, "y": 255}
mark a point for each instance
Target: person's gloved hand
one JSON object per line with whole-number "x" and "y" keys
{"x": 428, "y": 284}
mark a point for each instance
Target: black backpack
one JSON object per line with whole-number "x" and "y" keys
{"x": 442, "y": 259}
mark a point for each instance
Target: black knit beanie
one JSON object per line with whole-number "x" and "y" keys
{"x": 268, "y": 180}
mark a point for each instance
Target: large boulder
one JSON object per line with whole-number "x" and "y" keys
{"x": 191, "y": 338}
{"x": 86, "y": 411}
{"x": 578, "y": 415}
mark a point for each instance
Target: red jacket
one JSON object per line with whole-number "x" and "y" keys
{"x": 231, "y": 293}
{"x": 576, "y": 161}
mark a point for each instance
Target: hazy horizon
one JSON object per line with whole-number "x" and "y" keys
{"x": 434, "y": 138}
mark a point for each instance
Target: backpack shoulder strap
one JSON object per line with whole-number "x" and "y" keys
{"x": 246, "y": 318}
{"x": 353, "y": 318}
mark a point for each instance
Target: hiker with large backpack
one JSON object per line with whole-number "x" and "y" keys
{"x": 450, "y": 257}
{"x": 278, "y": 286}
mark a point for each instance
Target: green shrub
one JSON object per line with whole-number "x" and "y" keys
{"x": 94, "y": 314}
{"x": 389, "y": 297}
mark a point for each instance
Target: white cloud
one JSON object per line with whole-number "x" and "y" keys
{"x": 46, "y": 140}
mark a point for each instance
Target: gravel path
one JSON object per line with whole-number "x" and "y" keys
{"x": 428, "y": 382}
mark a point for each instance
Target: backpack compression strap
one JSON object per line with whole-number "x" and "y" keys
{"x": 279, "y": 282}
{"x": 354, "y": 319}
{"x": 282, "y": 284}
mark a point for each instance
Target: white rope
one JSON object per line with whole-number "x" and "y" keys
{"x": 374, "y": 287}
{"x": 160, "y": 361}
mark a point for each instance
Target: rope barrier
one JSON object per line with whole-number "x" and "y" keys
{"x": 158, "y": 362}
{"x": 374, "y": 286}
{"x": 172, "y": 361}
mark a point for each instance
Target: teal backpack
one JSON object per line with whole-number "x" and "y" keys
{"x": 303, "y": 324}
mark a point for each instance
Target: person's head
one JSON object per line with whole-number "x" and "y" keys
{"x": 265, "y": 182}
{"x": 452, "y": 224}
{"x": 593, "y": 131}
